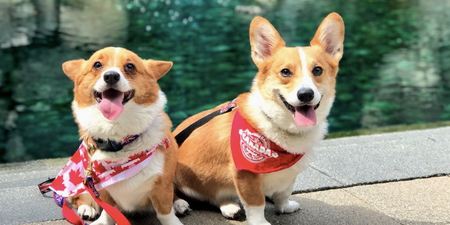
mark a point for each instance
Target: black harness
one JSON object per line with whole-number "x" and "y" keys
{"x": 184, "y": 134}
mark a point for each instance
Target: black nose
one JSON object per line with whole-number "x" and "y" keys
{"x": 305, "y": 95}
{"x": 111, "y": 77}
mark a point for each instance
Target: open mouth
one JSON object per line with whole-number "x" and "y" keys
{"x": 111, "y": 102}
{"x": 113, "y": 93}
{"x": 304, "y": 115}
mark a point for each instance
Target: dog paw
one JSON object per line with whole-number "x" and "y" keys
{"x": 231, "y": 210}
{"x": 181, "y": 207}
{"x": 87, "y": 212}
{"x": 289, "y": 207}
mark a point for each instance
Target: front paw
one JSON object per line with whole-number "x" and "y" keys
{"x": 104, "y": 219}
{"x": 181, "y": 207}
{"x": 87, "y": 212}
{"x": 288, "y": 207}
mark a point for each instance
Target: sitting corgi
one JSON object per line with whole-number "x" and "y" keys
{"x": 259, "y": 148}
{"x": 119, "y": 108}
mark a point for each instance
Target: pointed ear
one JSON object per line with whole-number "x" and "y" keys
{"x": 159, "y": 68}
{"x": 264, "y": 39}
{"x": 72, "y": 68}
{"x": 330, "y": 36}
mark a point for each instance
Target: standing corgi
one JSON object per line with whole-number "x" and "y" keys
{"x": 260, "y": 147}
{"x": 119, "y": 108}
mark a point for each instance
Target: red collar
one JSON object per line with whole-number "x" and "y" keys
{"x": 256, "y": 153}
{"x": 104, "y": 173}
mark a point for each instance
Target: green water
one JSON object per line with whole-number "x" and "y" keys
{"x": 395, "y": 69}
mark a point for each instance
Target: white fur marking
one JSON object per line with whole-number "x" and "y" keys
{"x": 122, "y": 85}
{"x": 117, "y": 49}
{"x": 307, "y": 82}
{"x": 104, "y": 219}
{"x": 87, "y": 211}
{"x": 181, "y": 207}
{"x": 255, "y": 215}
{"x": 169, "y": 219}
{"x": 288, "y": 207}
{"x": 194, "y": 194}
{"x": 135, "y": 119}
{"x": 230, "y": 210}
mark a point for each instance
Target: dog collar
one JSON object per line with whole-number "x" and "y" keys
{"x": 104, "y": 173}
{"x": 113, "y": 146}
{"x": 254, "y": 152}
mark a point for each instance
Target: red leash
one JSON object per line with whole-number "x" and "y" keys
{"x": 73, "y": 218}
{"x": 70, "y": 214}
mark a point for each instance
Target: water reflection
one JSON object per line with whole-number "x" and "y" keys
{"x": 395, "y": 68}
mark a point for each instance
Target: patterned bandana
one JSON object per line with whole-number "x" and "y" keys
{"x": 253, "y": 152}
{"x": 104, "y": 173}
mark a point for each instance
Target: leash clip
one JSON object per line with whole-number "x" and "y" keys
{"x": 90, "y": 149}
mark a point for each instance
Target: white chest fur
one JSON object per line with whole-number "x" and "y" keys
{"x": 133, "y": 192}
{"x": 282, "y": 180}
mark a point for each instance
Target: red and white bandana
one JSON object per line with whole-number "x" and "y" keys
{"x": 253, "y": 152}
{"x": 104, "y": 173}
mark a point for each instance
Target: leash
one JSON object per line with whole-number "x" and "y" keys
{"x": 70, "y": 214}
{"x": 184, "y": 134}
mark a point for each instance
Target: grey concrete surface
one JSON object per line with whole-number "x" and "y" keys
{"x": 339, "y": 163}
{"x": 420, "y": 201}
{"x": 375, "y": 158}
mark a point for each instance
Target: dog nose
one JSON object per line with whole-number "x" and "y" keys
{"x": 111, "y": 77}
{"x": 305, "y": 95}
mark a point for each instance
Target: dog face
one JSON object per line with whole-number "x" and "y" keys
{"x": 115, "y": 87}
{"x": 297, "y": 81}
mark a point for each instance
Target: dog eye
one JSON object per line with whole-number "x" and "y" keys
{"x": 317, "y": 71}
{"x": 97, "y": 65}
{"x": 129, "y": 67}
{"x": 285, "y": 72}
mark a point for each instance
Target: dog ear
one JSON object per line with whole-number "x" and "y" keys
{"x": 158, "y": 68}
{"x": 330, "y": 36}
{"x": 72, "y": 68}
{"x": 264, "y": 39}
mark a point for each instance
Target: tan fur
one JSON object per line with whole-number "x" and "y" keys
{"x": 143, "y": 80}
{"x": 161, "y": 195}
{"x": 205, "y": 167}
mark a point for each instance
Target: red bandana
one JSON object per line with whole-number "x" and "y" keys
{"x": 104, "y": 173}
{"x": 253, "y": 152}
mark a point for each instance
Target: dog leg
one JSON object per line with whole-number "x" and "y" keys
{"x": 104, "y": 219}
{"x": 168, "y": 219}
{"x": 255, "y": 215}
{"x": 282, "y": 202}
{"x": 162, "y": 196}
{"x": 87, "y": 212}
{"x": 249, "y": 187}
{"x": 86, "y": 207}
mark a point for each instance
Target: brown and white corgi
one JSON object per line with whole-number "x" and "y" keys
{"x": 286, "y": 109}
{"x": 116, "y": 95}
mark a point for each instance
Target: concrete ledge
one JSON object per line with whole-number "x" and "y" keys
{"x": 339, "y": 163}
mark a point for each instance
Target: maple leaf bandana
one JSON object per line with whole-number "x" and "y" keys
{"x": 104, "y": 173}
{"x": 254, "y": 152}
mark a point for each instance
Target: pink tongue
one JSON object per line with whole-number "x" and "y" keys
{"x": 111, "y": 104}
{"x": 305, "y": 116}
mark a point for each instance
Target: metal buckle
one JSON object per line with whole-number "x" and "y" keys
{"x": 90, "y": 149}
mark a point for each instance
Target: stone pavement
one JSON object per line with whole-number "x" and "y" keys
{"x": 393, "y": 178}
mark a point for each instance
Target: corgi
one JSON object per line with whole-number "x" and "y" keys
{"x": 260, "y": 147}
{"x": 119, "y": 107}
